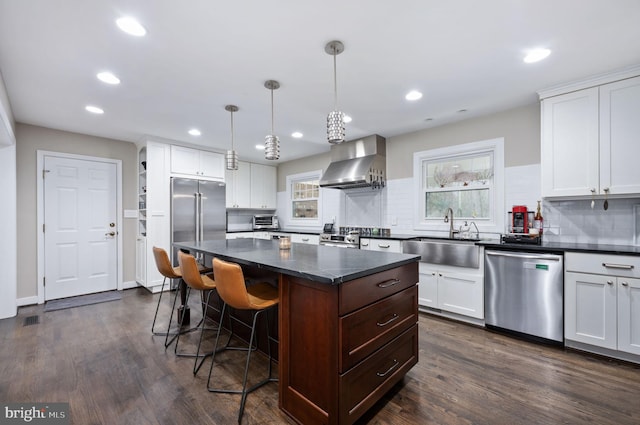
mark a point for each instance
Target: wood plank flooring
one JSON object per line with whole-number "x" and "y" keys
{"x": 104, "y": 361}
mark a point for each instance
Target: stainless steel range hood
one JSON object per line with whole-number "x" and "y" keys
{"x": 358, "y": 163}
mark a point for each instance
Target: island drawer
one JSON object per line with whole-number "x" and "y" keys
{"x": 360, "y": 292}
{"x": 364, "y": 331}
{"x": 604, "y": 264}
{"x": 365, "y": 383}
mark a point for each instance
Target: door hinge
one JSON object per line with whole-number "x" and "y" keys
{"x": 44, "y": 172}
{"x": 42, "y": 227}
{"x": 44, "y": 281}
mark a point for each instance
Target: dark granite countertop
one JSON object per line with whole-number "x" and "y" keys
{"x": 394, "y": 236}
{"x": 318, "y": 263}
{"x": 299, "y": 232}
{"x": 564, "y": 247}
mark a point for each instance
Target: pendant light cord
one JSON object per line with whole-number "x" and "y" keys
{"x": 231, "y": 130}
{"x": 335, "y": 81}
{"x": 272, "y": 112}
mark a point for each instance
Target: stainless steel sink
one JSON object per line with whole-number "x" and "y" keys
{"x": 450, "y": 252}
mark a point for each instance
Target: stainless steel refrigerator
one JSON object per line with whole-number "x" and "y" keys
{"x": 198, "y": 211}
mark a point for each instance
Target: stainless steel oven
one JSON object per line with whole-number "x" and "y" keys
{"x": 350, "y": 240}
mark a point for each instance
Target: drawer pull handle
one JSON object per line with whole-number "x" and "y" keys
{"x": 383, "y": 374}
{"x": 618, "y": 266}
{"x": 384, "y": 246}
{"x": 388, "y": 283}
{"x": 305, "y": 239}
{"x": 393, "y": 318}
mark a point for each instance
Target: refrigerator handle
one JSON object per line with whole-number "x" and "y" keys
{"x": 200, "y": 218}
{"x": 196, "y": 233}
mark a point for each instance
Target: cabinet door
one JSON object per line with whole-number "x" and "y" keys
{"x": 629, "y": 315}
{"x": 590, "y": 309}
{"x": 427, "y": 286}
{"x": 620, "y": 136}
{"x": 461, "y": 294}
{"x": 212, "y": 165}
{"x": 385, "y": 245}
{"x": 308, "y": 239}
{"x": 141, "y": 260}
{"x": 569, "y": 145}
{"x": 263, "y": 186}
{"x": 185, "y": 160}
{"x": 238, "y": 186}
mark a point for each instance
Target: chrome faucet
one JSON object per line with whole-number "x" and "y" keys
{"x": 450, "y": 221}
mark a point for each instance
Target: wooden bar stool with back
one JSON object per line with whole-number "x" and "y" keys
{"x": 206, "y": 285}
{"x": 165, "y": 268}
{"x": 257, "y": 298}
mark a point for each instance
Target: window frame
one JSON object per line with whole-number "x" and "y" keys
{"x": 493, "y": 224}
{"x": 303, "y": 221}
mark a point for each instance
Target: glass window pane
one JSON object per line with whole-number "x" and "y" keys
{"x": 458, "y": 171}
{"x": 466, "y": 204}
{"x": 305, "y": 209}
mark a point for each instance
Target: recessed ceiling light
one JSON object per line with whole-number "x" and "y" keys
{"x": 413, "y": 95}
{"x": 347, "y": 119}
{"x": 109, "y": 78}
{"x": 296, "y": 134}
{"x": 131, "y": 26}
{"x": 536, "y": 55}
{"x": 94, "y": 109}
{"x": 260, "y": 147}
{"x": 194, "y": 132}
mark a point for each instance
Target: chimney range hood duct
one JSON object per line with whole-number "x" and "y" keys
{"x": 359, "y": 163}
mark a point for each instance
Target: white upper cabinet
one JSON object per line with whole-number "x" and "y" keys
{"x": 196, "y": 163}
{"x": 238, "y": 184}
{"x": 590, "y": 141}
{"x": 620, "y": 136}
{"x": 263, "y": 186}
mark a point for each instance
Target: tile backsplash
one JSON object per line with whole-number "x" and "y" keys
{"x": 576, "y": 221}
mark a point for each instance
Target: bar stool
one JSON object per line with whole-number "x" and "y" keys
{"x": 257, "y": 298}
{"x": 168, "y": 272}
{"x": 200, "y": 282}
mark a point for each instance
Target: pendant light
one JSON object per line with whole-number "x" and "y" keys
{"x": 272, "y": 142}
{"x": 231, "y": 156}
{"x": 335, "y": 119}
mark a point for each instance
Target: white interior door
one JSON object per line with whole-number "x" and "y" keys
{"x": 80, "y": 229}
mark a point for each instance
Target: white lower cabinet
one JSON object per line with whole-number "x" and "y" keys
{"x": 141, "y": 260}
{"x": 261, "y": 235}
{"x": 240, "y": 235}
{"x": 602, "y": 307}
{"x": 458, "y": 291}
{"x": 304, "y": 238}
{"x": 384, "y": 245}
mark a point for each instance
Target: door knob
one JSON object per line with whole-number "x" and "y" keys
{"x": 110, "y": 234}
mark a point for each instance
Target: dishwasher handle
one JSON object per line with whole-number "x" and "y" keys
{"x": 550, "y": 257}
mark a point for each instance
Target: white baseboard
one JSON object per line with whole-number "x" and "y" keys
{"x": 20, "y": 302}
{"x": 129, "y": 284}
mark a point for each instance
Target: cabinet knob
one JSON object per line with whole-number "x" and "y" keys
{"x": 625, "y": 283}
{"x": 440, "y": 274}
{"x": 433, "y": 274}
{"x": 609, "y": 282}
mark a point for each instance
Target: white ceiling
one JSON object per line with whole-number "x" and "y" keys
{"x": 200, "y": 55}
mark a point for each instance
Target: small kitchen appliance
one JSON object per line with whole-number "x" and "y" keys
{"x": 520, "y": 219}
{"x": 349, "y": 240}
{"x": 265, "y": 222}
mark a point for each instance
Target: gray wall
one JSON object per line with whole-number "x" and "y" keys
{"x": 520, "y": 128}
{"x": 29, "y": 140}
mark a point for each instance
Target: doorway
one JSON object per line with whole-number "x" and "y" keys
{"x": 78, "y": 214}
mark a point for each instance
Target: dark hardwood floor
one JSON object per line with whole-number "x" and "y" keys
{"x": 103, "y": 360}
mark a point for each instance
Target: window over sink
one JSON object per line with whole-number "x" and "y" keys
{"x": 467, "y": 178}
{"x": 303, "y": 192}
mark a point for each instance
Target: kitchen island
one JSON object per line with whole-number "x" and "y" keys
{"x": 347, "y": 323}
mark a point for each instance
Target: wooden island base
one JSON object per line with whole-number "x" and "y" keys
{"x": 342, "y": 347}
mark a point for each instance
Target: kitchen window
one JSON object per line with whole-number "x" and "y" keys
{"x": 303, "y": 192}
{"x": 466, "y": 178}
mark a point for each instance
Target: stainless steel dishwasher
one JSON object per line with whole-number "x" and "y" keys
{"x": 523, "y": 293}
